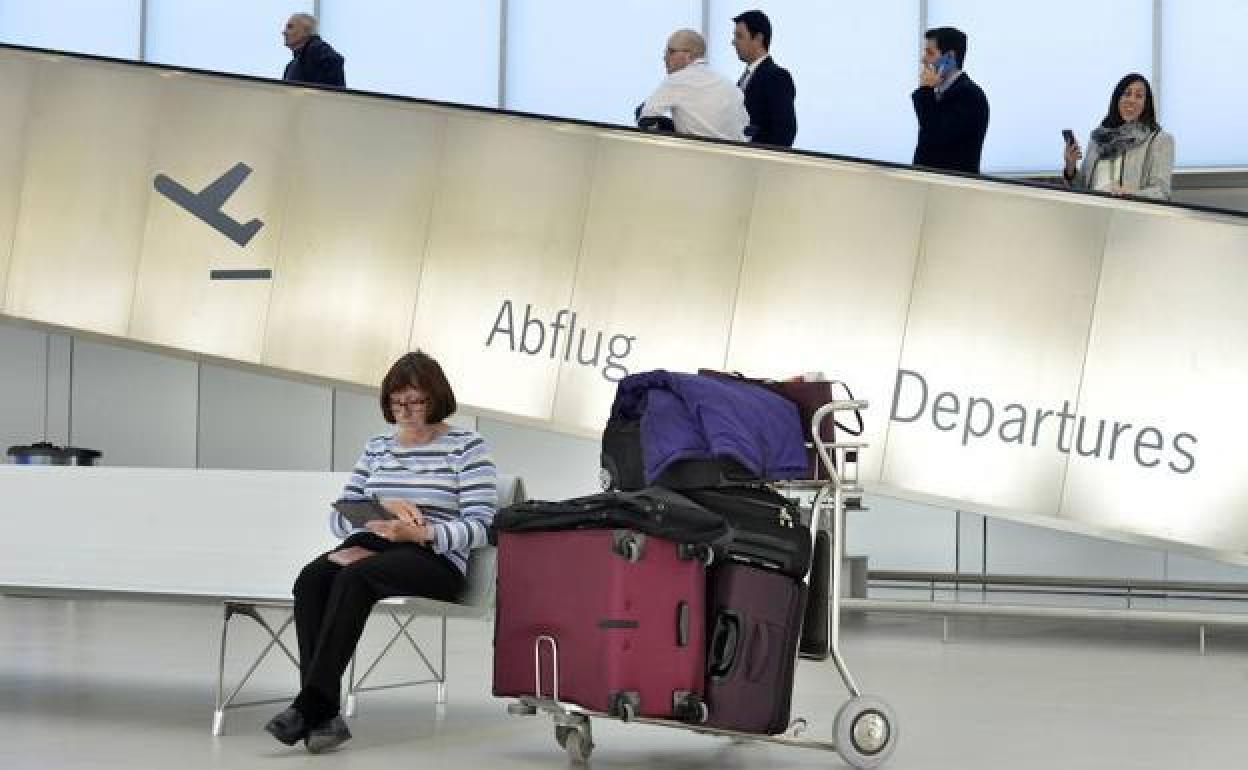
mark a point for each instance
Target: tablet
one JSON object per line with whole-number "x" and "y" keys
{"x": 360, "y": 512}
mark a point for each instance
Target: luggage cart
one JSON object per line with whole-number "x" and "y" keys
{"x": 864, "y": 730}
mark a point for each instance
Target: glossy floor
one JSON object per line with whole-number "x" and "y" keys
{"x": 109, "y": 684}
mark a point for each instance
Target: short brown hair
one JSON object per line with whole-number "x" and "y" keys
{"x": 419, "y": 370}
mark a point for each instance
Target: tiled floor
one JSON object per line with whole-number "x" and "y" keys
{"x": 95, "y": 684}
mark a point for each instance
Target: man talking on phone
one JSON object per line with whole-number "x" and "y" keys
{"x": 952, "y": 110}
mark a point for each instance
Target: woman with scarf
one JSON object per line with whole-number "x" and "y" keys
{"x": 1128, "y": 154}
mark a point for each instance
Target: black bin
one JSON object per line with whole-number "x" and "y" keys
{"x": 44, "y": 453}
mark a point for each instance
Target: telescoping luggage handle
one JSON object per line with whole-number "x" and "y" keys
{"x": 824, "y": 446}
{"x": 537, "y": 666}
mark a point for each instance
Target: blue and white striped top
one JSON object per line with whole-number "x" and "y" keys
{"x": 452, "y": 479}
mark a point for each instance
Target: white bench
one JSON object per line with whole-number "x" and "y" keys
{"x": 476, "y": 602}
{"x": 233, "y": 538}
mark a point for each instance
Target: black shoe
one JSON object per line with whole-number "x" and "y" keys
{"x": 288, "y": 727}
{"x": 327, "y": 735}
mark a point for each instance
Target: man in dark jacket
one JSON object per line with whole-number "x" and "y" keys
{"x": 952, "y": 110}
{"x": 769, "y": 91}
{"x": 313, "y": 60}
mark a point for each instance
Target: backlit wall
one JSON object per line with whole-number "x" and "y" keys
{"x": 1026, "y": 351}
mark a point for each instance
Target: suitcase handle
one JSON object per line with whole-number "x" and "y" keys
{"x": 724, "y": 644}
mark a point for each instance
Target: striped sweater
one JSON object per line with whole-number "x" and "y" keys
{"x": 452, "y": 479}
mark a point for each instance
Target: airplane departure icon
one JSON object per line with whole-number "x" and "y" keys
{"x": 206, "y": 204}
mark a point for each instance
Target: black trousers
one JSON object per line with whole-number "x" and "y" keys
{"x": 332, "y": 604}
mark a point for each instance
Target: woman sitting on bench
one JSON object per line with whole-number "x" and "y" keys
{"x": 438, "y": 485}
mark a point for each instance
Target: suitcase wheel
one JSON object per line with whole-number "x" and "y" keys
{"x": 608, "y": 474}
{"x": 629, "y": 545}
{"x": 703, "y": 553}
{"x": 625, "y": 705}
{"x": 689, "y": 707}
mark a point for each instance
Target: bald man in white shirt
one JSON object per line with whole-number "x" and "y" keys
{"x": 699, "y": 101}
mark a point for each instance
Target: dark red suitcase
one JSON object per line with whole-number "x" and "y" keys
{"x": 756, "y": 621}
{"x": 624, "y": 613}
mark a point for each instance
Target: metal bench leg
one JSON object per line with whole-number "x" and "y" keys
{"x": 218, "y": 712}
{"x": 441, "y": 698}
{"x": 352, "y": 707}
{"x": 355, "y": 685}
{"x": 226, "y": 702}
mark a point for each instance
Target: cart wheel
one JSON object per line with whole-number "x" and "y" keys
{"x": 579, "y": 745}
{"x": 561, "y": 735}
{"x": 865, "y": 732}
{"x": 628, "y": 712}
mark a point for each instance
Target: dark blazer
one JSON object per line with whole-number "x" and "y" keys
{"x": 769, "y": 98}
{"x": 952, "y": 128}
{"x": 317, "y": 62}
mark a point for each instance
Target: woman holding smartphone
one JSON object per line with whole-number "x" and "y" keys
{"x": 1129, "y": 153}
{"x": 438, "y": 484}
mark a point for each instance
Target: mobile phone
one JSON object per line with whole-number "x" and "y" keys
{"x": 1068, "y": 135}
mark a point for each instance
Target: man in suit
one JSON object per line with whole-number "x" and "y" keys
{"x": 313, "y": 60}
{"x": 952, "y": 110}
{"x": 769, "y": 91}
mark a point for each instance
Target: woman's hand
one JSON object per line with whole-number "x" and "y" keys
{"x": 1073, "y": 154}
{"x": 402, "y": 531}
{"x": 403, "y": 510}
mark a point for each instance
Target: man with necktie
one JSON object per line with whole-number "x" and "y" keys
{"x": 768, "y": 87}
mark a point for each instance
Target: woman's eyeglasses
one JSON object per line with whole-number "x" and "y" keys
{"x": 409, "y": 405}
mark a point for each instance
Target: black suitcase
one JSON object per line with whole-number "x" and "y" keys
{"x": 767, "y": 527}
{"x": 754, "y": 621}
{"x": 624, "y": 469}
{"x": 815, "y": 643}
{"x": 652, "y": 511}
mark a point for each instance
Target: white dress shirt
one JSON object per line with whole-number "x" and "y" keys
{"x": 701, "y": 102}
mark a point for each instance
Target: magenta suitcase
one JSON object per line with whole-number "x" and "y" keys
{"x": 623, "y": 613}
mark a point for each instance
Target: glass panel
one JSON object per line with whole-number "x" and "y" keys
{"x": 1045, "y": 67}
{"x": 1202, "y": 53}
{"x": 242, "y": 36}
{"x": 427, "y": 49}
{"x": 594, "y": 61}
{"x": 102, "y": 27}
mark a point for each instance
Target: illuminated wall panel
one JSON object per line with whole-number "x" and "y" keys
{"x": 90, "y": 132}
{"x": 829, "y": 263}
{"x": 504, "y": 242}
{"x": 354, "y": 228}
{"x": 664, "y": 238}
{"x": 207, "y": 129}
{"x": 998, "y": 319}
